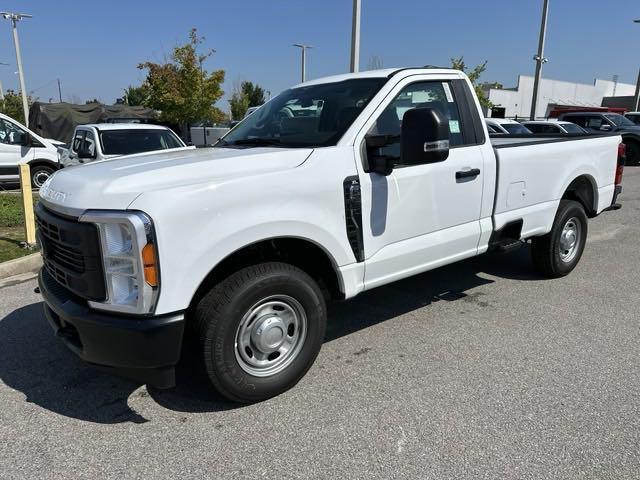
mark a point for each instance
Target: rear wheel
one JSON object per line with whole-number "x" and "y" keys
{"x": 633, "y": 153}
{"x": 260, "y": 330}
{"x": 557, "y": 253}
{"x": 40, "y": 174}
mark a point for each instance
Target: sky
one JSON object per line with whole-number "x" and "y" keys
{"x": 94, "y": 47}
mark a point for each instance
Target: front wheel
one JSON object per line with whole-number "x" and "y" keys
{"x": 557, "y": 253}
{"x": 260, "y": 330}
{"x": 40, "y": 174}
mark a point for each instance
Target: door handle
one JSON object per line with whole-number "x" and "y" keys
{"x": 472, "y": 172}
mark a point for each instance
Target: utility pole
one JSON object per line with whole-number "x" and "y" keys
{"x": 59, "y": 91}
{"x": 2, "y": 88}
{"x": 303, "y": 48}
{"x": 636, "y": 103}
{"x": 355, "y": 37}
{"x": 15, "y": 18}
{"x": 540, "y": 59}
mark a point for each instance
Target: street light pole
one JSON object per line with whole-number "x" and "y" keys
{"x": 2, "y": 88}
{"x": 15, "y": 18}
{"x": 355, "y": 37}
{"x": 303, "y": 49}
{"x": 636, "y": 102}
{"x": 540, "y": 59}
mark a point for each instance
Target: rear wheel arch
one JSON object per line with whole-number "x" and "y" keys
{"x": 584, "y": 191}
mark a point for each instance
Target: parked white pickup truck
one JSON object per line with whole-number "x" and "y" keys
{"x": 104, "y": 141}
{"x": 242, "y": 245}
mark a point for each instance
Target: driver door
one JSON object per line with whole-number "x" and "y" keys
{"x": 422, "y": 216}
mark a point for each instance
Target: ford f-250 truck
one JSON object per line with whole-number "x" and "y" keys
{"x": 242, "y": 245}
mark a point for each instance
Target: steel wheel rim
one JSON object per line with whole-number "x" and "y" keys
{"x": 39, "y": 178}
{"x": 570, "y": 240}
{"x": 270, "y": 335}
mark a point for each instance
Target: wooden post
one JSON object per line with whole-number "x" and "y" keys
{"x": 27, "y": 206}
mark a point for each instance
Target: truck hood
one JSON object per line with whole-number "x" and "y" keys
{"x": 115, "y": 183}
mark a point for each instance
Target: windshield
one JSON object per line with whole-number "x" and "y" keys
{"x": 634, "y": 117}
{"x": 515, "y": 128}
{"x": 619, "y": 120}
{"x": 572, "y": 128}
{"x": 311, "y": 116}
{"x": 127, "y": 142}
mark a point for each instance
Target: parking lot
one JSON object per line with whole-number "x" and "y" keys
{"x": 480, "y": 369}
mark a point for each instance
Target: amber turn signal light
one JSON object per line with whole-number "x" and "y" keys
{"x": 149, "y": 264}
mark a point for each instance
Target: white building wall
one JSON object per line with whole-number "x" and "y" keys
{"x": 517, "y": 101}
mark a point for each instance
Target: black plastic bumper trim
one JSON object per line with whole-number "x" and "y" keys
{"x": 145, "y": 349}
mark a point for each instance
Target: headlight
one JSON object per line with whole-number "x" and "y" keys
{"x": 130, "y": 260}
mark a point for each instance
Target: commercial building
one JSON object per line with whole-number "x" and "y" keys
{"x": 554, "y": 93}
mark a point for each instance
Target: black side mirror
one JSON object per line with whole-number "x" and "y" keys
{"x": 26, "y": 140}
{"x": 425, "y": 137}
{"x": 85, "y": 153}
{"x": 381, "y": 164}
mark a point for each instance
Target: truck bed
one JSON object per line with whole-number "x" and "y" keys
{"x": 533, "y": 172}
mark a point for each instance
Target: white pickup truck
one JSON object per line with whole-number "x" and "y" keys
{"x": 104, "y": 141}
{"x": 242, "y": 245}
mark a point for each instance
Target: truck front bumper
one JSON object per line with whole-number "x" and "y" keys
{"x": 145, "y": 349}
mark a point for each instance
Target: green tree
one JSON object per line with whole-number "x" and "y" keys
{"x": 135, "y": 96}
{"x": 254, "y": 93}
{"x": 474, "y": 75}
{"x": 181, "y": 89}
{"x": 245, "y": 95}
{"x": 239, "y": 104}
{"x": 12, "y": 105}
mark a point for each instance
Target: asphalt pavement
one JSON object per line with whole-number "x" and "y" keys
{"x": 477, "y": 370}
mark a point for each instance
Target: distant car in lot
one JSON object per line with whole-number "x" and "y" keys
{"x": 633, "y": 116}
{"x": 506, "y": 127}
{"x": 19, "y": 145}
{"x": 600, "y": 122}
{"x": 102, "y": 141}
{"x": 553, "y": 127}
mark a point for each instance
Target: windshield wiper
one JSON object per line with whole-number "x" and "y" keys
{"x": 255, "y": 142}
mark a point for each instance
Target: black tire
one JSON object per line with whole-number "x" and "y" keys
{"x": 633, "y": 153}
{"x": 546, "y": 250}
{"x": 39, "y": 174}
{"x": 221, "y": 311}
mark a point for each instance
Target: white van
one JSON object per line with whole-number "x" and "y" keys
{"x": 19, "y": 145}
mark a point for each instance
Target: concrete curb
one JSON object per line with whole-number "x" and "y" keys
{"x": 30, "y": 263}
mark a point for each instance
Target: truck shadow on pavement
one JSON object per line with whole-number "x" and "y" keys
{"x": 35, "y": 363}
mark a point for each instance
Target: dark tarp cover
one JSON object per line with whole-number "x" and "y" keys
{"x": 58, "y": 120}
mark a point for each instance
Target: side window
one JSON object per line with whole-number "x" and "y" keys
{"x": 10, "y": 133}
{"x": 595, "y": 122}
{"x": 77, "y": 141}
{"x": 578, "y": 120}
{"x": 436, "y": 95}
{"x": 89, "y": 143}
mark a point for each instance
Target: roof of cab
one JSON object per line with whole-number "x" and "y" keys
{"x": 499, "y": 121}
{"x": 546, "y": 122}
{"x": 383, "y": 73}
{"x": 123, "y": 126}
